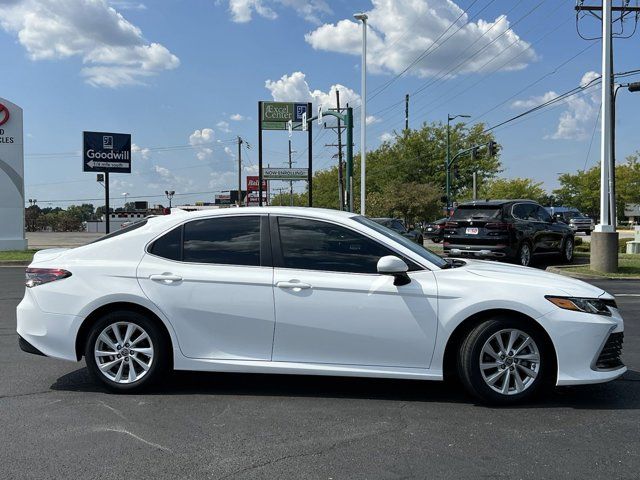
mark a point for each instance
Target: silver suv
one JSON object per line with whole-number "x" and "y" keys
{"x": 577, "y": 221}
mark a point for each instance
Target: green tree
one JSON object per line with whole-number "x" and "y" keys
{"x": 411, "y": 201}
{"x": 417, "y": 156}
{"x": 582, "y": 189}
{"x": 512, "y": 188}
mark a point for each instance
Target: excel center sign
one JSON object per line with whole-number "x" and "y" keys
{"x": 275, "y": 115}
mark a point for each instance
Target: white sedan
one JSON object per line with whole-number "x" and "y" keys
{"x": 310, "y": 291}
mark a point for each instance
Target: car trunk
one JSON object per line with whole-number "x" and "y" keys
{"x": 477, "y": 225}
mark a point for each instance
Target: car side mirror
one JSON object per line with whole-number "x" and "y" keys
{"x": 392, "y": 265}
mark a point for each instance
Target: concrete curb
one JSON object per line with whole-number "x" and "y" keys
{"x": 560, "y": 270}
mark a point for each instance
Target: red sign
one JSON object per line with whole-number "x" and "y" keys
{"x": 253, "y": 183}
{"x": 4, "y": 114}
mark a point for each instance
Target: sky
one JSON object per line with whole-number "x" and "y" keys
{"x": 184, "y": 78}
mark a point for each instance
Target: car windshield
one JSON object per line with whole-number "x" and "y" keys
{"x": 476, "y": 211}
{"x": 574, "y": 214}
{"x": 395, "y": 236}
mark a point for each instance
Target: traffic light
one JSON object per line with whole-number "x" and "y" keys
{"x": 493, "y": 148}
{"x": 456, "y": 172}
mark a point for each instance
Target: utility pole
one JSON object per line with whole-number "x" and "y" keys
{"x": 604, "y": 241}
{"x": 406, "y": 112}
{"x": 363, "y": 115}
{"x": 106, "y": 202}
{"x": 339, "y": 129}
{"x": 290, "y": 181}
{"x": 240, "y": 170}
{"x": 475, "y": 185}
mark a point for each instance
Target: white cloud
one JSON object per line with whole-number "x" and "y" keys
{"x": 577, "y": 119}
{"x": 223, "y": 126}
{"x": 401, "y": 31}
{"x": 294, "y": 88}
{"x": 200, "y": 139}
{"x": 371, "y": 119}
{"x": 113, "y": 50}
{"x": 242, "y": 10}
{"x": 236, "y": 117}
{"x": 386, "y": 137}
{"x": 161, "y": 177}
{"x": 145, "y": 153}
{"x": 127, "y": 5}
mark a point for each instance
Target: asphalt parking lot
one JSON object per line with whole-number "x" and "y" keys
{"x": 56, "y": 423}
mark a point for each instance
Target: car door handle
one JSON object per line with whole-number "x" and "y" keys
{"x": 293, "y": 285}
{"x": 165, "y": 278}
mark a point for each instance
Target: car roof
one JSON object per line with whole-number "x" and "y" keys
{"x": 495, "y": 203}
{"x": 320, "y": 213}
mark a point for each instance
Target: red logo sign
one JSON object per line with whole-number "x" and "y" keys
{"x": 4, "y": 114}
{"x": 253, "y": 184}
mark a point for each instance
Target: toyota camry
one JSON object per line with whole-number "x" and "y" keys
{"x": 313, "y": 292}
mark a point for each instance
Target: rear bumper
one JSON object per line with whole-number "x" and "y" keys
{"x": 43, "y": 333}
{"x": 478, "y": 251}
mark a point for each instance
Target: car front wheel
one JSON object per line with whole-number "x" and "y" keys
{"x": 567, "y": 250}
{"x": 126, "y": 351}
{"x": 505, "y": 361}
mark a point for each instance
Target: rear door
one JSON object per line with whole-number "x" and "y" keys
{"x": 529, "y": 226}
{"x": 551, "y": 233}
{"x": 213, "y": 280}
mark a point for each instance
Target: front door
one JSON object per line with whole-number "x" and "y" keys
{"x": 210, "y": 281}
{"x": 332, "y": 307}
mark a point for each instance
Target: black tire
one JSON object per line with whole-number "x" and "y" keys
{"x": 420, "y": 240}
{"x": 158, "y": 363}
{"x": 469, "y": 358}
{"x": 522, "y": 258}
{"x": 568, "y": 247}
{"x": 436, "y": 239}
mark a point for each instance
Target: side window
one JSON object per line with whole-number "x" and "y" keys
{"x": 398, "y": 226}
{"x": 543, "y": 215}
{"x": 315, "y": 245}
{"x": 525, "y": 211}
{"x": 223, "y": 240}
{"x": 169, "y": 245}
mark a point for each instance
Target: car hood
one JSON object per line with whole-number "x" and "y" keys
{"x": 517, "y": 275}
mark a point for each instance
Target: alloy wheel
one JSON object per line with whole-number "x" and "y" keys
{"x": 525, "y": 255}
{"x": 123, "y": 352}
{"x": 510, "y": 361}
{"x": 568, "y": 250}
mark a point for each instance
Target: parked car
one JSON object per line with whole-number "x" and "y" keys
{"x": 506, "y": 229}
{"x": 577, "y": 221}
{"x": 435, "y": 230}
{"x": 399, "y": 226}
{"x": 315, "y": 292}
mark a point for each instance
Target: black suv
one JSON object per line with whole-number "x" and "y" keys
{"x": 398, "y": 226}
{"x": 510, "y": 229}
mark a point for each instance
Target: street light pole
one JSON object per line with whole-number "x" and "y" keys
{"x": 448, "y": 160}
{"x": 169, "y": 194}
{"x": 363, "y": 114}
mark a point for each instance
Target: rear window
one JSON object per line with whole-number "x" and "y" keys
{"x": 128, "y": 229}
{"x": 476, "y": 211}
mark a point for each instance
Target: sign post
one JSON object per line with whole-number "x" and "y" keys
{"x": 106, "y": 152}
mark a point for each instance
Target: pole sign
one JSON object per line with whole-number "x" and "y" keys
{"x": 285, "y": 173}
{"x": 11, "y": 177}
{"x": 276, "y": 115}
{"x": 106, "y": 152}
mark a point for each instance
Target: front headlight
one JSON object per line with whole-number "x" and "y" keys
{"x": 586, "y": 305}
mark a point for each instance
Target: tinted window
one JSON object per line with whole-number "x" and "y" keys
{"x": 224, "y": 240}
{"x": 397, "y": 226}
{"x": 543, "y": 215}
{"x": 465, "y": 212}
{"x": 169, "y": 245}
{"x": 315, "y": 245}
{"x": 525, "y": 211}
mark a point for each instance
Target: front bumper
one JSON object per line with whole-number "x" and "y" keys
{"x": 579, "y": 339}
{"x": 50, "y": 334}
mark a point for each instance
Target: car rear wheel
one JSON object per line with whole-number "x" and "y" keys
{"x": 523, "y": 256}
{"x": 505, "y": 361}
{"x": 436, "y": 239}
{"x": 126, "y": 352}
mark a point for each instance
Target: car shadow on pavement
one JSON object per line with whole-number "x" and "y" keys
{"x": 622, "y": 394}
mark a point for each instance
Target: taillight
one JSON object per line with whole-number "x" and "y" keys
{"x": 499, "y": 226}
{"x": 39, "y": 276}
